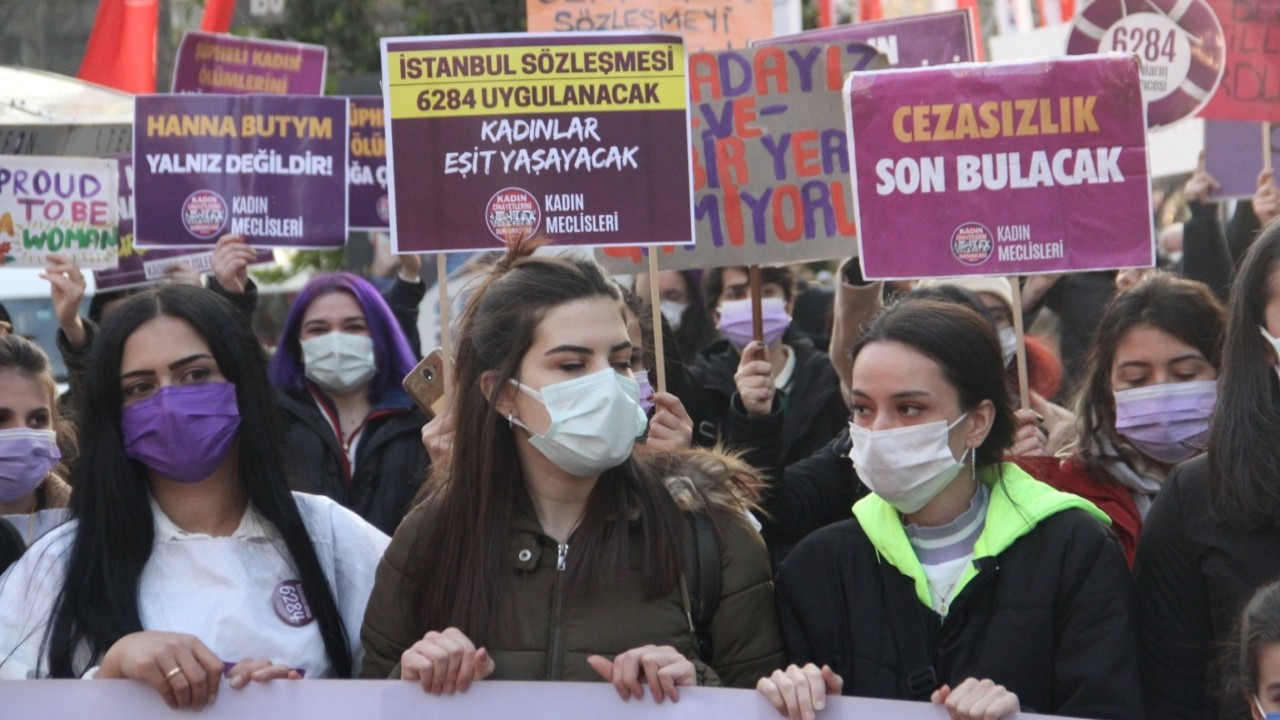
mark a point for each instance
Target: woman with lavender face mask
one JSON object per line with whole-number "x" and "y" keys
{"x": 186, "y": 558}
{"x": 33, "y": 493}
{"x": 1145, "y": 401}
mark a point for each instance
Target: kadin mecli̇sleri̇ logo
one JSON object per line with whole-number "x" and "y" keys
{"x": 972, "y": 243}
{"x": 204, "y": 212}
{"x": 513, "y": 214}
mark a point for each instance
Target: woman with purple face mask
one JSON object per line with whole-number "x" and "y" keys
{"x": 1145, "y": 401}
{"x": 186, "y": 558}
{"x": 33, "y": 493}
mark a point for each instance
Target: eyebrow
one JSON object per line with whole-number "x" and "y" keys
{"x": 624, "y": 345}
{"x": 897, "y": 395}
{"x": 172, "y": 366}
{"x": 323, "y": 321}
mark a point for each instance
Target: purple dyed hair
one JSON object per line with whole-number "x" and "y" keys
{"x": 390, "y": 348}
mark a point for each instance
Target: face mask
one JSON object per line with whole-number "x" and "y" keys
{"x": 339, "y": 361}
{"x": 674, "y": 312}
{"x": 646, "y": 390}
{"x": 1159, "y": 419}
{"x": 907, "y": 466}
{"x": 1008, "y": 344}
{"x": 26, "y": 457}
{"x": 1265, "y": 715}
{"x": 182, "y": 432}
{"x": 735, "y": 320}
{"x": 595, "y": 421}
{"x": 1275, "y": 343}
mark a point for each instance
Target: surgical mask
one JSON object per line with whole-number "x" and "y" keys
{"x": 26, "y": 457}
{"x": 595, "y": 420}
{"x": 339, "y": 361}
{"x": 673, "y": 311}
{"x": 182, "y": 432}
{"x": 646, "y": 390}
{"x": 735, "y": 320}
{"x": 1265, "y": 715}
{"x": 1275, "y": 343}
{"x": 1008, "y": 344}
{"x": 906, "y": 466}
{"x": 1169, "y": 421}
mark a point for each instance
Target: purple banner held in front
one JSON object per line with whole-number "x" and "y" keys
{"x": 932, "y": 39}
{"x": 367, "y": 175}
{"x": 1001, "y": 169}
{"x": 269, "y": 167}
{"x": 1233, "y": 155}
{"x": 231, "y": 65}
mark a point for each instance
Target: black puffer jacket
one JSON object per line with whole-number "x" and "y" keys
{"x": 390, "y": 459}
{"x": 1045, "y": 610}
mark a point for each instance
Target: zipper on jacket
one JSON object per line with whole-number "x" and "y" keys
{"x": 553, "y": 659}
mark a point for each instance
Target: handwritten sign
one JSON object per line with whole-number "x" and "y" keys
{"x": 771, "y": 167}
{"x": 493, "y": 138}
{"x": 1001, "y": 169}
{"x": 1250, "y": 88}
{"x": 705, "y": 24}
{"x": 57, "y": 205}
{"x": 367, "y": 174}
{"x": 269, "y": 167}
{"x": 933, "y": 39}
{"x": 239, "y": 65}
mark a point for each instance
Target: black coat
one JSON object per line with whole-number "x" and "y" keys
{"x": 810, "y": 494}
{"x": 1051, "y": 618}
{"x": 390, "y": 459}
{"x": 1193, "y": 576}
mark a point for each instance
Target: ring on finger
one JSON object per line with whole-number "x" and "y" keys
{"x": 172, "y": 673}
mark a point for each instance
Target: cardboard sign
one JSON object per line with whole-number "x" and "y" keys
{"x": 1233, "y": 155}
{"x": 493, "y": 138}
{"x": 705, "y": 24}
{"x": 771, "y": 168}
{"x": 1250, "y": 88}
{"x": 367, "y": 174}
{"x": 1179, "y": 43}
{"x": 933, "y": 39}
{"x": 269, "y": 167}
{"x": 58, "y": 205}
{"x": 209, "y": 63}
{"x": 1001, "y": 169}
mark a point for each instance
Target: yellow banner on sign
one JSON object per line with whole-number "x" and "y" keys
{"x": 535, "y": 79}
{"x": 705, "y": 24}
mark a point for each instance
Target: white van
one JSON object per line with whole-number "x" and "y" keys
{"x": 25, "y": 295}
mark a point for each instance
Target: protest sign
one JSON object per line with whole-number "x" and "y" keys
{"x": 1250, "y": 88}
{"x": 705, "y": 24}
{"x": 1001, "y": 169}
{"x": 771, "y": 170}
{"x": 1179, "y": 42}
{"x": 57, "y": 205}
{"x": 581, "y": 137}
{"x": 933, "y": 39}
{"x": 269, "y": 167}
{"x": 367, "y": 174}
{"x": 1233, "y": 155}
{"x": 234, "y": 65}
{"x": 395, "y": 700}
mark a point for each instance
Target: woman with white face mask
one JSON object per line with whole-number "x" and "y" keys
{"x": 960, "y": 580}
{"x": 351, "y": 431}
{"x": 550, "y": 545}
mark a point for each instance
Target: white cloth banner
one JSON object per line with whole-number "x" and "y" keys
{"x": 393, "y": 700}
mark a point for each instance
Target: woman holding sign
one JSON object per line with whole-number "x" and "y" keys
{"x": 551, "y": 546}
{"x": 186, "y": 556}
{"x": 960, "y": 579}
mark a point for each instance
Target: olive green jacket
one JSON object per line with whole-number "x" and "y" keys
{"x": 553, "y": 632}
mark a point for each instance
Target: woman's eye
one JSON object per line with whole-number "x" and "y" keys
{"x": 622, "y": 366}
{"x": 861, "y": 410}
{"x": 39, "y": 421}
{"x": 571, "y": 367}
{"x": 195, "y": 375}
{"x": 136, "y": 389}
{"x": 909, "y": 410}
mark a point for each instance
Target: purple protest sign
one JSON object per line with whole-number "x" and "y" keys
{"x": 367, "y": 175}
{"x": 582, "y": 137}
{"x": 1001, "y": 169}
{"x": 269, "y": 167}
{"x": 932, "y": 39}
{"x": 1233, "y": 155}
{"x": 209, "y": 63}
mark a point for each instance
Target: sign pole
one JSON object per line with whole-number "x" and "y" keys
{"x": 1266, "y": 145}
{"x": 655, "y": 306}
{"x": 757, "y": 316}
{"x": 442, "y": 281}
{"x": 1024, "y": 398}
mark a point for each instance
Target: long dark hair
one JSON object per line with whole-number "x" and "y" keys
{"x": 472, "y": 497}
{"x": 98, "y": 603}
{"x": 1257, "y": 628}
{"x": 1244, "y": 460}
{"x": 965, "y": 346}
{"x": 1186, "y": 310}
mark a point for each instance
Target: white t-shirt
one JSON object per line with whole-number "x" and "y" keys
{"x": 231, "y": 592}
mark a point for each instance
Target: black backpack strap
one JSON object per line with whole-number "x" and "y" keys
{"x": 11, "y": 545}
{"x": 909, "y": 634}
{"x": 702, "y": 578}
